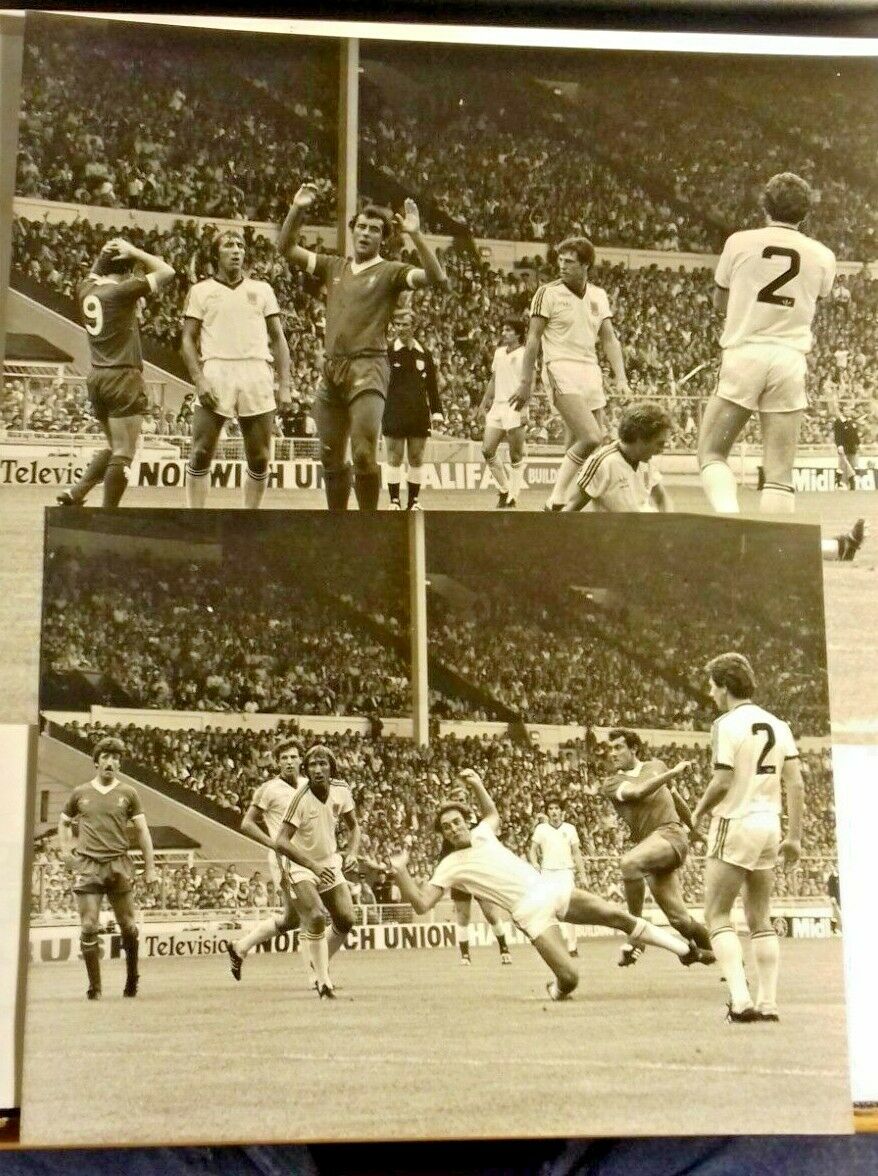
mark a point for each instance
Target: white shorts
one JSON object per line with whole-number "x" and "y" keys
{"x": 243, "y": 387}
{"x": 763, "y": 377}
{"x": 546, "y": 905}
{"x": 296, "y": 873}
{"x": 750, "y": 842}
{"x": 503, "y": 416}
{"x": 570, "y": 377}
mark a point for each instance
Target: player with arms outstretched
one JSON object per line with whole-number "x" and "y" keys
{"x": 658, "y": 820}
{"x": 361, "y": 295}
{"x": 97, "y": 856}
{"x": 307, "y": 838}
{"x": 555, "y": 851}
{"x": 232, "y": 335}
{"x": 568, "y": 318}
{"x": 262, "y": 821}
{"x": 501, "y": 419}
{"x": 107, "y": 301}
{"x": 484, "y": 867}
{"x": 768, "y": 281}
{"x": 755, "y": 762}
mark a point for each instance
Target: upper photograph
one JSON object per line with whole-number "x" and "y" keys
{"x": 261, "y": 269}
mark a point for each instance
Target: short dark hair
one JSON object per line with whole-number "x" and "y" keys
{"x": 733, "y": 672}
{"x": 581, "y": 246}
{"x": 449, "y": 806}
{"x": 787, "y": 197}
{"x": 286, "y": 745}
{"x": 375, "y": 212}
{"x": 515, "y": 325}
{"x": 632, "y": 739}
{"x": 112, "y": 265}
{"x": 548, "y": 801}
{"x": 108, "y": 743}
{"x": 643, "y": 422}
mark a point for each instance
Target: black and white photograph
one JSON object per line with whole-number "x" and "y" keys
{"x": 347, "y": 783}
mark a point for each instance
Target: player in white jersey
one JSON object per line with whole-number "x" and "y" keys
{"x": 754, "y": 762}
{"x": 501, "y": 419}
{"x": 768, "y": 282}
{"x": 569, "y": 317}
{"x": 262, "y": 822}
{"x": 480, "y": 864}
{"x": 307, "y": 838}
{"x": 555, "y": 851}
{"x": 622, "y": 475}
{"x": 232, "y": 334}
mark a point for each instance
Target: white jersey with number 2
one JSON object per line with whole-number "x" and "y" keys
{"x": 754, "y": 744}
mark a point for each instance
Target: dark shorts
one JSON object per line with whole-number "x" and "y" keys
{"x": 346, "y": 378}
{"x": 406, "y": 416}
{"x": 112, "y": 877}
{"x": 679, "y": 841}
{"x": 117, "y": 392}
{"x": 459, "y": 895}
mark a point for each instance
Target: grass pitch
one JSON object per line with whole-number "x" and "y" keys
{"x": 417, "y": 1046}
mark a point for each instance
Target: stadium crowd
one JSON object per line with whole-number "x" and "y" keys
{"x": 398, "y": 786}
{"x": 664, "y": 318}
{"x": 254, "y": 636}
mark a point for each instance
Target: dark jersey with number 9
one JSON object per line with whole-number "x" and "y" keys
{"x": 109, "y": 315}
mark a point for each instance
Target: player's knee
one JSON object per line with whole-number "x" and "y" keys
{"x": 257, "y": 464}
{"x": 316, "y": 922}
{"x": 632, "y": 870}
{"x": 128, "y": 927}
{"x": 364, "y": 455}
{"x": 200, "y": 457}
{"x": 343, "y": 924}
{"x": 89, "y": 930}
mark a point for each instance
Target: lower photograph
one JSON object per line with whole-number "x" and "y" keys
{"x": 443, "y": 826}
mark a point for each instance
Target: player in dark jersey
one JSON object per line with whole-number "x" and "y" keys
{"x": 97, "y": 856}
{"x": 659, "y": 821}
{"x": 361, "y": 296}
{"x": 412, "y": 407}
{"x": 846, "y": 438}
{"x": 107, "y": 301}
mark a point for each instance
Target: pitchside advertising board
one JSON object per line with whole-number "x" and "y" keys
{"x": 166, "y": 941}
{"x": 57, "y": 470}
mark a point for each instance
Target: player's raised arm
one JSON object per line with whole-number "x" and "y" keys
{"x": 156, "y": 267}
{"x": 487, "y": 808}
{"x": 422, "y": 898}
{"x": 640, "y": 789}
{"x": 613, "y": 351}
{"x": 286, "y": 243}
{"x": 535, "y": 331}
{"x": 144, "y": 841}
{"x": 794, "y": 790}
{"x": 432, "y": 273}
{"x": 280, "y": 354}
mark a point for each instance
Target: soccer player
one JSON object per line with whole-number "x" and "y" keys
{"x": 361, "y": 296}
{"x": 501, "y": 419}
{"x": 768, "y": 281}
{"x": 96, "y": 853}
{"x": 754, "y": 761}
{"x": 569, "y": 317}
{"x": 262, "y": 821}
{"x": 485, "y": 868}
{"x": 555, "y": 851}
{"x": 412, "y": 407}
{"x": 307, "y": 838}
{"x": 658, "y": 821}
{"x": 232, "y": 334}
{"x": 846, "y": 438}
{"x": 107, "y": 301}
{"x": 621, "y": 475}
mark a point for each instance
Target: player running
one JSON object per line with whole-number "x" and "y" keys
{"x": 658, "y": 821}
{"x": 262, "y": 821}
{"x": 96, "y": 853}
{"x": 621, "y": 475}
{"x": 412, "y": 407}
{"x": 307, "y": 838}
{"x": 568, "y": 319}
{"x": 107, "y": 301}
{"x": 232, "y": 335}
{"x": 754, "y": 761}
{"x": 502, "y": 421}
{"x": 484, "y": 867}
{"x": 361, "y": 296}
{"x": 768, "y": 282}
{"x": 555, "y": 851}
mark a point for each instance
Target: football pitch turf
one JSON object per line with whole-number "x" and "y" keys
{"x": 416, "y": 1046}
{"x": 852, "y": 636}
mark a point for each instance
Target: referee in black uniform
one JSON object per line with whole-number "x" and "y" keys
{"x": 411, "y": 408}
{"x": 846, "y": 436}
